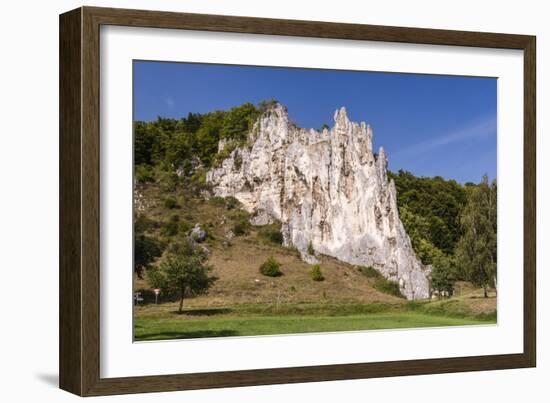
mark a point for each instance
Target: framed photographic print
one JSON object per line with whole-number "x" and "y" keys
{"x": 249, "y": 201}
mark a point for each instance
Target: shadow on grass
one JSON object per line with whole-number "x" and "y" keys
{"x": 481, "y": 297}
{"x": 186, "y": 335}
{"x": 203, "y": 312}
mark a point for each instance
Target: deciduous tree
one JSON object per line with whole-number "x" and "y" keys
{"x": 183, "y": 273}
{"x": 477, "y": 248}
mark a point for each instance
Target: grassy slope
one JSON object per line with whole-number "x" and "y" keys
{"x": 236, "y": 262}
{"x": 244, "y": 302}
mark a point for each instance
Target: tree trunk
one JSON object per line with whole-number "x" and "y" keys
{"x": 495, "y": 281}
{"x": 181, "y": 300}
{"x": 485, "y": 294}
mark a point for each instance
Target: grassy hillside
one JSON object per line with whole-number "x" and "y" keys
{"x": 244, "y": 302}
{"x": 237, "y": 249}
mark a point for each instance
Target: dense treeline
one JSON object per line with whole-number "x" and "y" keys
{"x": 191, "y": 142}
{"x": 452, "y": 227}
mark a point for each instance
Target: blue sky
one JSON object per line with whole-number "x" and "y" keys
{"x": 429, "y": 125}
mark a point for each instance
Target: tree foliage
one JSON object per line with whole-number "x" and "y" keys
{"x": 238, "y": 122}
{"x": 184, "y": 272}
{"x": 271, "y": 267}
{"x": 441, "y": 217}
{"x": 272, "y": 233}
{"x": 310, "y": 249}
{"x": 433, "y": 207}
{"x": 315, "y": 273}
{"x": 444, "y": 273}
{"x": 146, "y": 250}
{"x": 477, "y": 248}
{"x": 188, "y": 142}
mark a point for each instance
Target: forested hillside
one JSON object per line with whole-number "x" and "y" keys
{"x": 190, "y": 144}
{"x": 452, "y": 226}
{"x": 440, "y": 217}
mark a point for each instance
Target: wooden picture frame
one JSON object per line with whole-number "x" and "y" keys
{"x": 80, "y": 184}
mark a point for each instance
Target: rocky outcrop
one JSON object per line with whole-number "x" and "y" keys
{"x": 198, "y": 234}
{"x": 330, "y": 192}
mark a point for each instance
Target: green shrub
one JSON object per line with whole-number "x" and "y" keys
{"x": 169, "y": 229}
{"x": 241, "y": 227}
{"x": 310, "y": 249}
{"x": 170, "y": 202}
{"x": 199, "y": 176}
{"x": 271, "y": 233}
{"x": 267, "y": 104}
{"x": 369, "y": 271}
{"x": 238, "y": 214}
{"x": 184, "y": 226}
{"x": 316, "y": 274}
{"x": 380, "y": 283}
{"x": 388, "y": 287}
{"x": 217, "y": 201}
{"x": 144, "y": 174}
{"x": 168, "y": 181}
{"x": 225, "y": 153}
{"x": 142, "y": 224}
{"x": 231, "y": 203}
{"x": 271, "y": 267}
{"x": 238, "y": 162}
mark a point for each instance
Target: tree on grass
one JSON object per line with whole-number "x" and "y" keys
{"x": 443, "y": 274}
{"x": 184, "y": 273}
{"x": 477, "y": 248}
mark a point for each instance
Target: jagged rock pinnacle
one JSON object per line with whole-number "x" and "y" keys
{"x": 341, "y": 121}
{"x": 329, "y": 190}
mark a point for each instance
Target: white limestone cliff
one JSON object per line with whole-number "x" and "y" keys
{"x": 329, "y": 190}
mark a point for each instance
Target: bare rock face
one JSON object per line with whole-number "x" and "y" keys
{"x": 329, "y": 190}
{"x": 198, "y": 234}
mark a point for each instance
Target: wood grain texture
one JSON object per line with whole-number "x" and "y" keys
{"x": 315, "y": 29}
{"x": 90, "y": 202}
{"x": 80, "y": 200}
{"x": 530, "y": 203}
{"x": 70, "y": 273}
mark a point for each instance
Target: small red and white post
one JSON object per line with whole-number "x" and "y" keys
{"x": 157, "y": 292}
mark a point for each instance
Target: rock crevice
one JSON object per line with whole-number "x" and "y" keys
{"x": 329, "y": 190}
